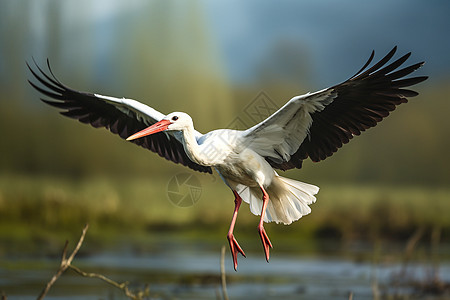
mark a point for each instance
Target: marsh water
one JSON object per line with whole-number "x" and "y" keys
{"x": 190, "y": 269}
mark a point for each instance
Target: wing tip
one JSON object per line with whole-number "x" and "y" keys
{"x": 368, "y": 71}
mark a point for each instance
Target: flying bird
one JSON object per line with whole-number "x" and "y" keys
{"x": 313, "y": 125}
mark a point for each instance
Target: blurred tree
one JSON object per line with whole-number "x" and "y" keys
{"x": 286, "y": 63}
{"x": 158, "y": 52}
{"x": 182, "y": 71}
{"x": 163, "y": 53}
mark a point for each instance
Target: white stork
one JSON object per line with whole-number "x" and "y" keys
{"x": 313, "y": 125}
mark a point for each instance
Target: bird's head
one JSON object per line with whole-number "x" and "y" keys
{"x": 172, "y": 121}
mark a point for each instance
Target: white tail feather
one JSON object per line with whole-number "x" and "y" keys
{"x": 288, "y": 199}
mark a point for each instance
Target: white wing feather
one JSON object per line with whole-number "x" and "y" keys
{"x": 280, "y": 135}
{"x": 143, "y": 113}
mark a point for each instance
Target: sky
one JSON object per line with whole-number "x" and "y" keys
{"x": 337, "y": 35}
{"x": 329, "y": 38}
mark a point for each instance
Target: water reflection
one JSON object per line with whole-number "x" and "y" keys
{"x": 185, "y": 271}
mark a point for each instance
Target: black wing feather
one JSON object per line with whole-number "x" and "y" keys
{"x": 361, "y": 102}
{"x": 89, "y": 109}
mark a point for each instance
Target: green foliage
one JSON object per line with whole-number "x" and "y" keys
{"x": 408, "y": 147}
{"x": 56, "y": 173}
{"x": 38, "y": 209}
{"x": 170, "y": 61}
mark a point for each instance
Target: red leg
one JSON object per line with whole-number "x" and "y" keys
{"x": 262, "y": 232}
{"x": 234, "y": 246}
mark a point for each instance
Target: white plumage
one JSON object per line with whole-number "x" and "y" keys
{"x": 314, "y": 126}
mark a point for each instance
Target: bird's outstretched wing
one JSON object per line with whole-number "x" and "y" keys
{"x": 121, "y": 116}
{"x": 316, "y": 125}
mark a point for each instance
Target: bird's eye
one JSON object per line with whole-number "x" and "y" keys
{"x": 174, "y": 118}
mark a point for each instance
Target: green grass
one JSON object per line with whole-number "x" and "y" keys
{"x": 43, "y": 210}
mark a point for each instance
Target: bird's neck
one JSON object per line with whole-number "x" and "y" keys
{"x": 193, "y": 149}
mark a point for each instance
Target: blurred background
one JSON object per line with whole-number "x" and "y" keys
{"x": 212, "y": 59}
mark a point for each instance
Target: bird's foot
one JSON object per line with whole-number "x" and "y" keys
{"x": 265, "y": 241}
{"x": 235, "y": 248}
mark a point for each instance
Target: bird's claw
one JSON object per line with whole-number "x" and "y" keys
{"x": 265, "y": 241}
{"x": 235, "y": 248}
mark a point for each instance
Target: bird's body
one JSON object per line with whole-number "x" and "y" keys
{"x": 314, "y": 125}
{"x": 234, "y": 155}
{"x": 223, "y": 150}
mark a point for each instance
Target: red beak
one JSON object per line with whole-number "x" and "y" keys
{"x": 157, "y": 127}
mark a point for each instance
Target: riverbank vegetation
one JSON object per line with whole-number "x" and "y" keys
{"x": 41, "y": 210}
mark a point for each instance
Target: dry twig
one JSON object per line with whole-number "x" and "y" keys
{"x": 435, "y": 241}
{"x": 409, "y": 250}
{"x": 222, "y": 274}
{"x": 65, "y": 263}
{"x": 123, "y": 286}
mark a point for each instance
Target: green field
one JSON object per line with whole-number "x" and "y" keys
{"x": 42, "y": 211}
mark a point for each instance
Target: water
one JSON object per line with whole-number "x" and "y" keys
{"x": 187, "y": 271}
